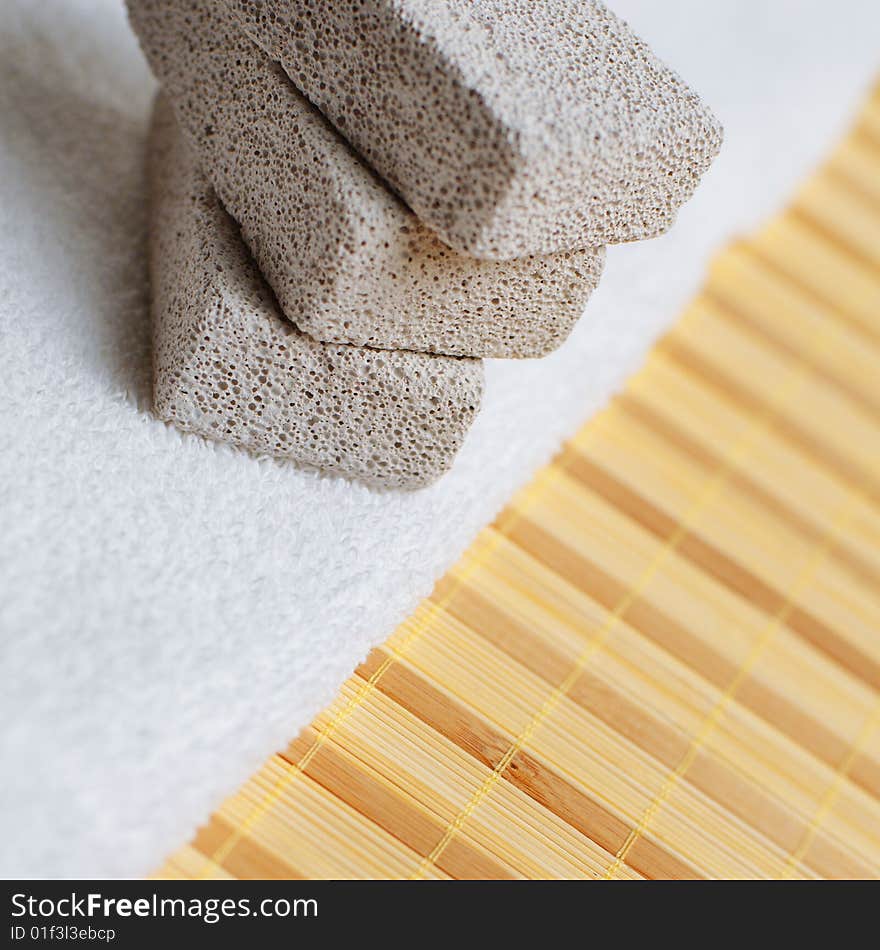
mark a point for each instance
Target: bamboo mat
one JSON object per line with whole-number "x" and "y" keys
{"x": 663, "y": 659}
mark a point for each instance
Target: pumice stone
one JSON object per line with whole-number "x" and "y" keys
{"x": 511, "y": 127}
{"x": 348, "y": 261}
{"x": 229, "y": 366}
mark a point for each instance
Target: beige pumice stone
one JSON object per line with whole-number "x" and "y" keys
{"x": 348, "y": 261}
{"x": 229, "y": 366}
{"x": 511, "y": 127}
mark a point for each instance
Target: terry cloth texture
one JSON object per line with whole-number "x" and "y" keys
{"x": 172, "y": 610}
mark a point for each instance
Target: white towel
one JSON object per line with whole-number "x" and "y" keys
{"x": 172, "y": 610}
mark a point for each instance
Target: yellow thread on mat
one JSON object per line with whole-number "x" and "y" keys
{"x": 722, "y": 609}
{"x": 800, "y": 373}
{"x": 805, "y": 577}
{"x": 769, "y": 762}
{"x": 713, "y": 487}
{"x": 543, "y": 478}
{"x": 831, "y": 795}
{"x": 554, "y": 698}
{"x": 711, "y": 721}
{"x": 756, "y": 531}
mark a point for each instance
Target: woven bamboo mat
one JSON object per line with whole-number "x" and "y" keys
{"x": 663, "y": 659}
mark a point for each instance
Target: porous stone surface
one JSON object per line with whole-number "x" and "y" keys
{"x": 509, "y": 126}
{"x": 229, "y": 366}
{"x": 348, "y": 261}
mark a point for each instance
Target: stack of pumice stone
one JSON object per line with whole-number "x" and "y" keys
{"x": 356, "y": 201}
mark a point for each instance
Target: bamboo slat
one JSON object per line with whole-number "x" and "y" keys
{"x": 663, "y": 659}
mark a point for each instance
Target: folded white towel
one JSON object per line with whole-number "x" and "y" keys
{"x": 173, "y": 610}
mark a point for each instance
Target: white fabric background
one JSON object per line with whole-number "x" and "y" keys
{"x": 172, "y": 610}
